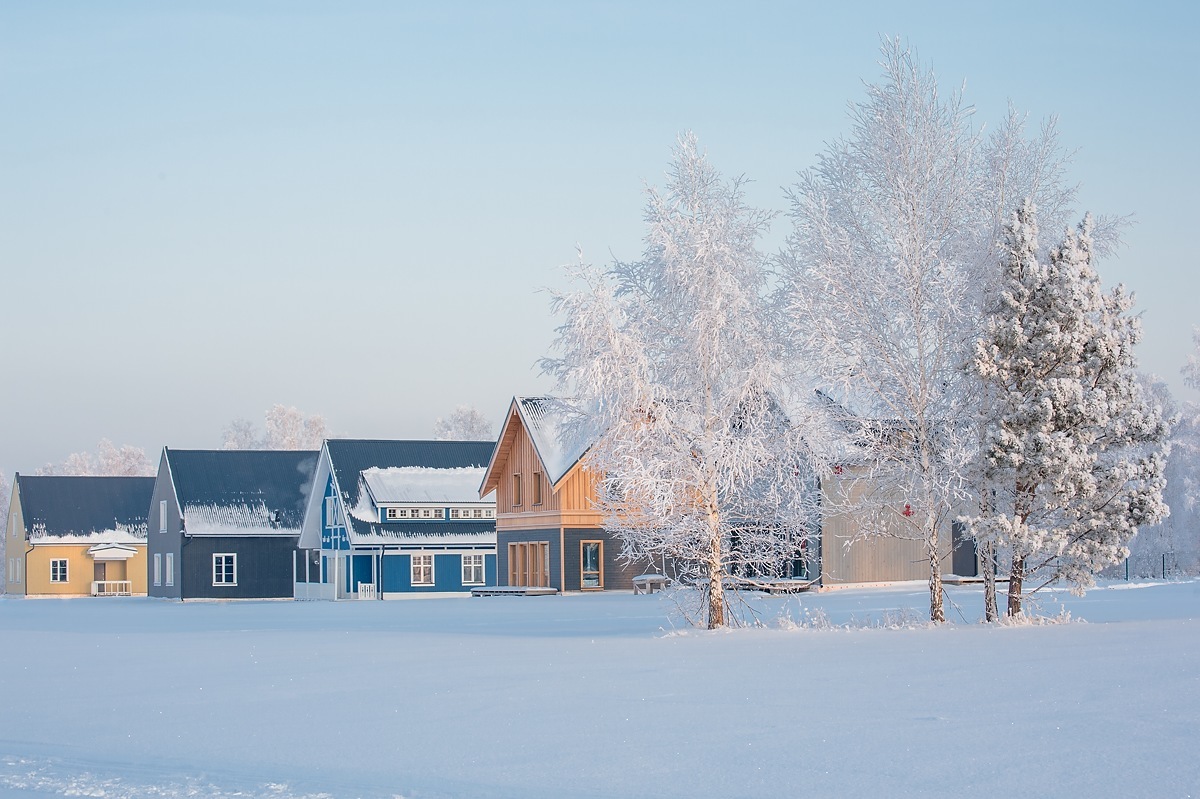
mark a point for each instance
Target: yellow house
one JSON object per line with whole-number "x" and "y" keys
{"x": 77, "y": 536}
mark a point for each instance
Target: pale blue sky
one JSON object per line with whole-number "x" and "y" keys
{"x": 207, "y": 208}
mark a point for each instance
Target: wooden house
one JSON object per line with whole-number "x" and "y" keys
{"x": 223, "y": 524}
{"x": 397, "y": 519}
{"x": 77, "y": 536}
{"x": 548, "y": 533}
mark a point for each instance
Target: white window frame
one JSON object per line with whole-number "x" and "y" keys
{"x": 469, "y": 569}
{"x": 333, "y": 513}
{"x": 157, "y": 568}
{"x": 66, "y": 570}
{"x": 162, "y": 515}
{"x": 421, "y": 562}
{"x": 169, "y": 568}
{"x": 219, "y": 557}
{"x": 392, "y": 514}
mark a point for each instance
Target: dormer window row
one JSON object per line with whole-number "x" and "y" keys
{"x": 435, "y": 514}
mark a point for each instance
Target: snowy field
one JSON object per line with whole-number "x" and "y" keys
{"x": 600, "y": 696}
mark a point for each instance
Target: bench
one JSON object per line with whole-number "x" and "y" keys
{"x": 649, "y": 583}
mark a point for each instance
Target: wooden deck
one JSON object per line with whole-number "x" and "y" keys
{"x": 514, "y": 590}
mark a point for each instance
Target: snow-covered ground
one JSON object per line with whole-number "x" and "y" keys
{"x": 600, "y": 696}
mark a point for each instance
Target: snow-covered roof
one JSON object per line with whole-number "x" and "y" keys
{"x": 241, "y": 492}
{"x": 238, "y": 519}
{"x": 408, "y": 484}
{"x": 85, "y": 510}
{"x": 545, "y": 420}
{"x": 455, "y": 533}
{"x": 135, "y": 536}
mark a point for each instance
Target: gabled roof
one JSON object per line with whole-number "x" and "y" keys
{"x": 543, "y": 419}
{"x": 407, "y": 471}
{"x": 241, "y": 492}
{"x": 85, "y": 509}
{"x": 352, "y": 457}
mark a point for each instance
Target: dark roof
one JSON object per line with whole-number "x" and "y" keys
{"x": 351, "y": 457}
{"x": 420, "y": 530}
{"x": 278, "y": 479}
{"x": 60, "y": 505}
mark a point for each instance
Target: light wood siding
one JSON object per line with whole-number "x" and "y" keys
{"x": 569, "y": 506}
{"x": 848, "y": 557}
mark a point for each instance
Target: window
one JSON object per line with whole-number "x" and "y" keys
{"x": 537, "y": 488}
{"x": 422, "y": 569}
{"x": 225, "y": 569}
{"x": 157, "y": 569}
{"x": 162, "y": 516}
{"x": 529, "y": 564}
{"x": 58, "y": 570}
{"x": 332, "y": 514}
{"x": 516, "y": 489}
{"x": 472, "y": 569}
{"x": 591, "y": 564}
{"x": 170, "y": 569}
{"x": 394, "y": 513}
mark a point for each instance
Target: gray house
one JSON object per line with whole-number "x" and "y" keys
{"x": 223, "y": 524}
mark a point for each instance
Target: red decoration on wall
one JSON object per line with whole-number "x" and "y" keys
{"x": 908, "y": 511}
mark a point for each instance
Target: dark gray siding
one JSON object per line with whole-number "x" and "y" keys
{"x": 264, "y": 567}
{"x": 503, "y": 539}
{"x": 617, "y": 575}
{"x": 160, "y": 543}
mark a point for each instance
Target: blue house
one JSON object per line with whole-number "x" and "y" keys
{"x": 397, "y": 519}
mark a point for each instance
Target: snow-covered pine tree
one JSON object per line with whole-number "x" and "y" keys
{"x": 671, "y": 373}
{"x": 1074, "y": 447}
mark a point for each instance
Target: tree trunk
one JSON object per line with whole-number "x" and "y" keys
{"x": 987, "y": 562}
{"x": 716, "y": 573}
{"x": 1015, "y": 580}
{"x": 937, "y": 614}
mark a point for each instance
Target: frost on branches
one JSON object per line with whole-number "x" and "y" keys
{"x": 1074, "y": 447}
{"x": 108, "y": 460}
{"x": 881, "y": 269}
{"x": 670, "y": 371}
{"x": 286, "y": 428}
{"x": 465, "y": 423}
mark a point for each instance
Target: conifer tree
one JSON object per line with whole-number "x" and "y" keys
{"x": 1074, "y": 449}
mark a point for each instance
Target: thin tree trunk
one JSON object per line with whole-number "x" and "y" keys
{"x": 987, "y": 562}
{"x": 936, "y": 612}
{"x": 716, "y": 572}
{"x": 1016, "y": 579}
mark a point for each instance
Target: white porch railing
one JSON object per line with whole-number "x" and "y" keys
{"x": 112, "y": 588}
{"x": 366, "y": 591}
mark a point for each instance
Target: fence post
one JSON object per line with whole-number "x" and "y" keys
{"x": 1164, "y": 565}
{"x": 1126, "y": 569}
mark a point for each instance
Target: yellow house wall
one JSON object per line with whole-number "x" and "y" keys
{"x": 80, "y": 570}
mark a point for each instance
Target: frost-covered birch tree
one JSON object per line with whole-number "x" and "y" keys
{"x": 888, "y": 232}
{"x": 108, "y": 460}
{"x": 465, "y": 423}
{"x": 1072, "y": 434}
{"x": 670, "y": 371}
{"x": 286, "y": 427}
